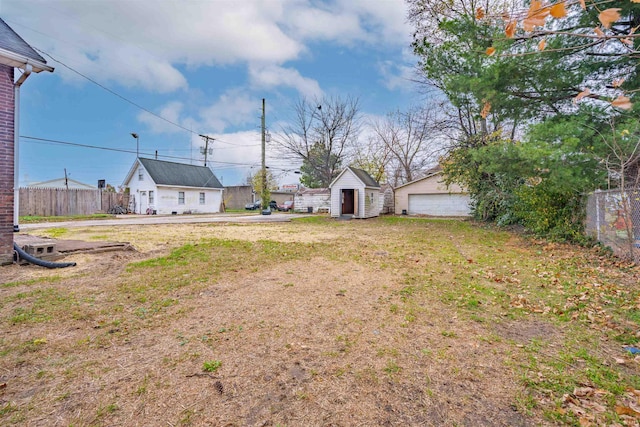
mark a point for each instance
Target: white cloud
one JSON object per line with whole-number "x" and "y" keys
{"x": 273, "y": 76}
{"x": 171, "y": 112}
{"x": 347, "y": 22}
{"x": 144, "y": 43}
{"x": 235, "y": 107}
{"x": 399, "y": 74}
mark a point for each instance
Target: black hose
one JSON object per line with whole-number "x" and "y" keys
{"x": 37, "y": 261}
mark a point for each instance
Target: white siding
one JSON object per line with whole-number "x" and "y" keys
{"x": 316, "y": 201}
{"x": 439, "y": 204}
{"x": 139, "y": 190}
{"x": 455, "y": 197}
{"x": 166, "y": 200}
{"x": 367, "y": 198}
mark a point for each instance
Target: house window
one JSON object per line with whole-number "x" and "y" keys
{"x": 181, "y": 197}
{"x": 140, "y": 174}
{"x": 202, "y": 198}
{"x": 151, "y": 200}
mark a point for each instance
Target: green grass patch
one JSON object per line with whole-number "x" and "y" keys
{"x": 37, "y": 219}
{"x": 56, "y": 232}
{"x": 29, "y": 282}
{"x": 42, "y": 305}
{"x": 323, "y": 220}
{"x": 211, "y": 365}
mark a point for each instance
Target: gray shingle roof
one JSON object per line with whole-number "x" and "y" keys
{"x": 363, "y": 176}
{"x": 11, "y": 41}
{"x": 180, "y": 174}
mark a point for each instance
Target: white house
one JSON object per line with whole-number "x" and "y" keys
{"x": 157, "y": 186}
{"x": 429, "y": 195}
{"x": 63, "y": 183}
{"x": 354, "y": 193}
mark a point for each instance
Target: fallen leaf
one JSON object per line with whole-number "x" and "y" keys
{"x": 583, "y": 391}
{"x": 583, "y": 4}
{"x": 625, "y": 410}
{"x": 542, "y": 44}
{"x": 490, "y": 51}
{"x": 622, "y": 102}
{"x": 609, "y": 16}
{"x": 618, "y": 82}
{"x": 581, "y": 95}
{"x": 558, "y": 10}
{"x": 584, "y": 422}
{"x": 510, "y": 30}
{"x": 598, "y": 32}
{"x": 627, "y": 41}
{"x": 479, "y": 13}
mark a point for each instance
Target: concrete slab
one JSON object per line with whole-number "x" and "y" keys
{"x": 66, "y": 247}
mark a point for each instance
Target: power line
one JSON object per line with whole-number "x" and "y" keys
{"x": 75, "y": 144}
{"x": 113, "y": 92}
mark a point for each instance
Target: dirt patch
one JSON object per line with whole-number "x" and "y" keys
{"x": 350, "y": 323}
{"x": 523, "y": 332}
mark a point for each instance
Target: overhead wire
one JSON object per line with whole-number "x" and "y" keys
{"x": 135, "y": 104}
{"x": 75, "y": 144}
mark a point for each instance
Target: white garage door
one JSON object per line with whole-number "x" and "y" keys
{"x": 439, "y": 204}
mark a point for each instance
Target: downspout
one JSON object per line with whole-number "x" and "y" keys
{"x": 16, "y": 145}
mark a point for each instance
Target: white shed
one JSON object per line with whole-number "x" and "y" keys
{"x": 429, "y": 195}
{"x": 355, "y": 194}
{"x": 156, "y": 186}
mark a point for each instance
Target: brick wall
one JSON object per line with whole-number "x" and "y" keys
{"x": 7, "y": 104}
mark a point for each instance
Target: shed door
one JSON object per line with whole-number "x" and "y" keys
{"x": 347, "y": 202}
{"x": 439, "y": 204}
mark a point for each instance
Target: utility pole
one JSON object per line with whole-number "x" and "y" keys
{"x": 207, "y": 150}
{"x": 66, "y": 180}
{"x": 264, "y": 197}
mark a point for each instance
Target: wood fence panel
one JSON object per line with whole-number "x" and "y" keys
{"x": 63, "y": 202}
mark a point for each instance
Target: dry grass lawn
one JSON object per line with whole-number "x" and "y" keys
{"x": 383, "y": 322}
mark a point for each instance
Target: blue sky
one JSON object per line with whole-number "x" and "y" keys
{"x": 204, "y": 66}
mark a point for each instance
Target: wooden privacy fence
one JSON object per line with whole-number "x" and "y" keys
{"x": 63, "y": 202}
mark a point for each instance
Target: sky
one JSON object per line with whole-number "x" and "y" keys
{"x": 170, "y": 71}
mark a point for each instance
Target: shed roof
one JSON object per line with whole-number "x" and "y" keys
{"x": 180, "y": 174}
{"x": 364, "y": 177}
{"x": 16, "y": 52}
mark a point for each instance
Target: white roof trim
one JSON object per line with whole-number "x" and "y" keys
{"x": 419, "y": 179}
{"x": 20, "y": 61}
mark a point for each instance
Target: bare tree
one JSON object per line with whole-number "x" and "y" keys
{"x": 414, "y": 140}
{"x": 322, "y": 134}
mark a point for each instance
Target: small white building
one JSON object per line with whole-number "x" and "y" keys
{"x": 429, "y": 195}
{"x": 355, "y": 194}
{"x": 63, "y": 183}
{"x": 157, "y": 186}
{"x": 312, "y": 200}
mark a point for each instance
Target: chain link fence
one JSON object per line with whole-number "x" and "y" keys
{"x": 613, "y": 218}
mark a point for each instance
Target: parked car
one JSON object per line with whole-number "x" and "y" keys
{"x": 253, "y": 206}
{"x": 286, "y": 206}
{"x": 273, "y": 205}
